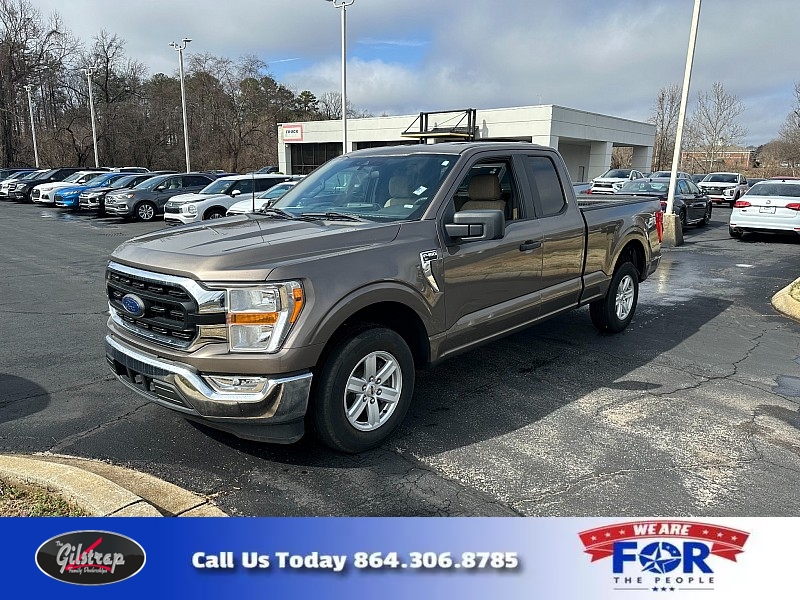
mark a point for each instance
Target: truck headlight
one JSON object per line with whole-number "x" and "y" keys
{"x": 727, "y": 192}
{"x": 259, "y": 318}
{"x": 191, "y": 209}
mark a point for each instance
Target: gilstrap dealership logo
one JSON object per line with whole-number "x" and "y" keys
{"x": 90, "y": 557}
{"x": 663, "y": 556}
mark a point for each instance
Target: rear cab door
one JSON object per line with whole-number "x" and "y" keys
{"x": 561, "y": 227}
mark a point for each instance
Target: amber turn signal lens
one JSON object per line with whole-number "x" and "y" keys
{"x": 252, "y": 318}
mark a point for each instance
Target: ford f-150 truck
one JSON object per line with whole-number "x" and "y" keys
{"x": 318, "y": 311}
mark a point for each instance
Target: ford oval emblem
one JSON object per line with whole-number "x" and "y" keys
{"x": 133, "y": 304}
{"x": 90, "y": 557}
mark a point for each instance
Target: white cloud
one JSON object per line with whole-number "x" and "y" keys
{"x": 609, "y": 57}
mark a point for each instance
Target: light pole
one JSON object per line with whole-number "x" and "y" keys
{"x": 180, "y": 48}
{"x": 89, "y": 71}
{"x": 672, "y": 221}
{"x": 343, "y": 4}
{"x": 33, "y": 129}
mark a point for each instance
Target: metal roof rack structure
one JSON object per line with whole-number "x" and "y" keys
{"x": 450, "y": 125}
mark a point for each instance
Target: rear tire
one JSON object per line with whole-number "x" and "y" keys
{"x": 613, "y": 313}
{"x": 363, "y": 390}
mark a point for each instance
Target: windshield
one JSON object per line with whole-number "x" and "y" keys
{"x": 220, "y": 186}
{"x": 376, "y": 188}
{"x": 150, "y": 184}
{"x": 74, "y": 177}
{"x": 124, "y": 182}
{"x": 35, "y": 175}
{"x": 275, "y": 191}
{"x": 624, "y": 173}
{"x": 722, "y": 178}
{"x": 775, "y": 189}
{"x": 643, "y": 186}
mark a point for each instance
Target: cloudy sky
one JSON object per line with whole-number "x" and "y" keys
{"x": 405, "y": 56}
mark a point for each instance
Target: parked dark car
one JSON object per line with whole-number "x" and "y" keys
{"x": 21, "y": 192}
{"x": 691, "y": 204}
{"x": 146, "y": 201}
{"x": 95, "y": 198}
{"x": 6, "y": 173}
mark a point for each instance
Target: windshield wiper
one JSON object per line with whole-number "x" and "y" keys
{"x": 276, "y": 212}
{"x": 331, "y": 216}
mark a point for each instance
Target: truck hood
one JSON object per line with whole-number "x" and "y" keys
{"x": 247, "y": 247}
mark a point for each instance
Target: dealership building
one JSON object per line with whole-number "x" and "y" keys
{"x": 584, "y": 139}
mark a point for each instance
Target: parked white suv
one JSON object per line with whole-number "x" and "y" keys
{"x": 612, "y": 180}
{"x": 214, "y": 200}
{"x": 724, "y": 187}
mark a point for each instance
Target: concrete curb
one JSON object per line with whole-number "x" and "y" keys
{"x": 104, "y": 490}
{"x": 785, "y": 304}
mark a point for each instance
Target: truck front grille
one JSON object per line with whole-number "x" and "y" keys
{"x": 168, "y": 308}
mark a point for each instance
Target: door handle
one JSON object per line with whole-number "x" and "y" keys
{"x": 530, "y": 245}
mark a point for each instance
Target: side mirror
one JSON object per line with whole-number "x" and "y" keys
{"x": 161, "y": 188}
{"x": 476, "y": 225}
{"x": 235, "y": 193}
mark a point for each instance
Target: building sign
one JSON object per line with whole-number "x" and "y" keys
{"x": 292, "y": 133}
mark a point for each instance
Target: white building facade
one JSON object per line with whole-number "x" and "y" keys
{"x": 584, "y": 139}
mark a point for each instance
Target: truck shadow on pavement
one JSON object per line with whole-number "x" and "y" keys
{"x": 20, "y": 398}
{"x": 512, "y": 383}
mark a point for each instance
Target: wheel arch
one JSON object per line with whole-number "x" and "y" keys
{"x": 214, "y": 208}
{"x": 394, "y": 307}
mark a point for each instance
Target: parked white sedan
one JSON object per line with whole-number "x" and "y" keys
{"x": 771, "y": 206}
{"x": 264, "y": 199}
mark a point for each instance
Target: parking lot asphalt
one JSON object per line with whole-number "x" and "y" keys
{"x": 693, "y": 410}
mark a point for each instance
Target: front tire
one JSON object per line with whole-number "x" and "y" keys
{"x": 214, "y": 214}
{"x": 145, "y": 211}
{"x": 613, "y": 313}
{"x": 363, "y": 390}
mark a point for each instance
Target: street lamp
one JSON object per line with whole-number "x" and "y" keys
{"x": 180, "y": 48}
{"x": 33, "y": 129}
{"x": 89, "y": 71}
{"x": 343, "y": 4}
{"x": 672, "y": 221}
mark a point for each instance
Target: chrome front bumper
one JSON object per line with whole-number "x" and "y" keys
{"x": 274, "y": 414}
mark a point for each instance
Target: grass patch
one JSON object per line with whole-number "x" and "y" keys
{"x": 17, "y": 500}
{"x": 794, "y": 291}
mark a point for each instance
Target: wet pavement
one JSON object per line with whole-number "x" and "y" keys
{"x": 693, "y": 410}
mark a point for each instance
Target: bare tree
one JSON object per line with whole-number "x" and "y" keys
{"x": 713, "y": 127}
{"x": 329, "y": 106}
{"x": 665, "y": 117}
{"x": 789, "y": 134}
{"x": 29, "y": 49}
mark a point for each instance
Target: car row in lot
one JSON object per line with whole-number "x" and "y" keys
{"x": 184, "y": 197}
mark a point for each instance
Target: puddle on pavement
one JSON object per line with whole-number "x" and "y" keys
{"x": 788, "y": 386}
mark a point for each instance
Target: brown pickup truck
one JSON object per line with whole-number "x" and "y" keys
{"x": 318, "y": 311}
